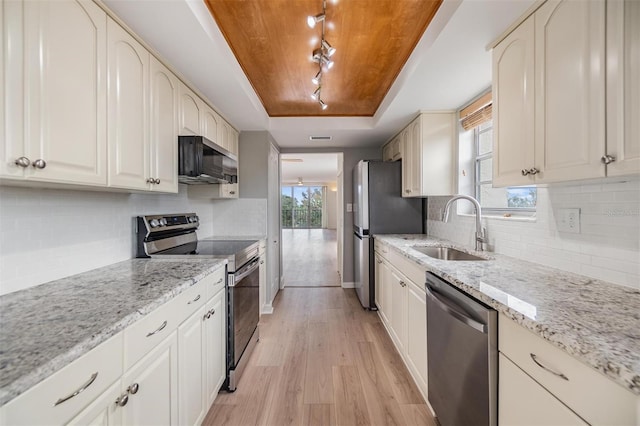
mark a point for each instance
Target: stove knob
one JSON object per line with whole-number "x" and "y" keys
{"x": 163, "y": 222}
{"x": 195, "y": 218}
{"x": 154, "y": 223}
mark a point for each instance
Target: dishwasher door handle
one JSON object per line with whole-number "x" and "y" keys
{"x": 460, "y": 316}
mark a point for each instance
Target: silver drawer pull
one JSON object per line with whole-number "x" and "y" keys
{"x": 219, "y": 281}
{"x": 122, "y": 400}
{"x": 544, "y": 367}
{"x": 164, "y": 324}
{"x": 133, "y": 389}
{"x": 80, "y": 390}
{"x": 194, "y": 300}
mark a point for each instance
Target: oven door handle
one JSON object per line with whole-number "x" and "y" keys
{"x": 245, "y": 271}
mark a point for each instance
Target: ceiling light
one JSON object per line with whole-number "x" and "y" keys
{"x": 327, "y": 48}
{"x": 313, "y": 20}
{"x": 299, "y": 181}
{"x": 318, "y": 78}
{"x": 316, "y": 94}
{"x": 322, "y": 104}
{"x": 327, "y": 63}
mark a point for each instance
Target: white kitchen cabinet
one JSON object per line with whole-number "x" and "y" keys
{"x": 190, "y": 112}
{"x": 386, "y": 152}
{"x": 103, "y": 411}
{"x": 549, "y": 96}
{"x": 210, "y": 123}
{"x": 398, "y": 318}
{"x": 214, "y": 191}
{"x": 392, "y": 151}
{"x": 128, "y": 106}
{"x": 155, "y": 402}
{"x": 428, "y": 155}
{"x": 417, "y": 333}
{"x": 55, "y": 82}
{"x": 164, "y": 128}
{"x": 262, "y": 271}
{"x": 523, "y": 402}
{"x": 623, "y": 87}
{"x": 191, "y": 369}
{"x": 513, "y": 107}
{"x": 215, "y": 347}
{"x": 379, "y": 285}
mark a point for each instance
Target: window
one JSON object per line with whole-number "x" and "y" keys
{"x": 302, "y": 206}
{"x": 476, "y": 167}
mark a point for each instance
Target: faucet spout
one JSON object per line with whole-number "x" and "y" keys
{"x": 480, "y": 237}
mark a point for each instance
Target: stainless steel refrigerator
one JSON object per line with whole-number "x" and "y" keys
{"x": 378, "y": 208}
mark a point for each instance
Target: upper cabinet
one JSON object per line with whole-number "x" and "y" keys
{"x": 392, "y": 151}
{"x": 428, "y": 155}
{"x": 190, "y": 112}
{"x": 623, "y": 87}
{"x": 549, "y": 92}
{"x": 55, "y": 92}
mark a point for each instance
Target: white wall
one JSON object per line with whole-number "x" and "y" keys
{"x": 607, "y": 248}
{"x": 332, "y": 208}
{"x": 49, "y": 234}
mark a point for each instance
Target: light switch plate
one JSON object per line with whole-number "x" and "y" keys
{"x": 349, "y": 207}
{"x": 568, "y": 220}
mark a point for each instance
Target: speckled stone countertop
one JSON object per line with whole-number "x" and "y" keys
{"x": 594, "y": 321}
{"x": 44, "y": 328}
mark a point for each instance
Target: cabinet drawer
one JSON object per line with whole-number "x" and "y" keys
{"x": 409, "y": 268}
{"x": 215, "y": 282}
{"x": 87, "y": 377}
{"x": 590, "y": 394}
{"x": 145, "y": 334}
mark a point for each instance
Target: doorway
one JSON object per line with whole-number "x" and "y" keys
{"x": 311, "y": 185}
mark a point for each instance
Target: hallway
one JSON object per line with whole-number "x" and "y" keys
{"x": 309, "y": 258}
{"x": 322, "y": 360}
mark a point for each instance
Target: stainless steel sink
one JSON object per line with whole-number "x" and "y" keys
{"x": 446, "y": 253}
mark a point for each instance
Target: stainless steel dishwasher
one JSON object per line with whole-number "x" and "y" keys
{"x": 462, "y": 356}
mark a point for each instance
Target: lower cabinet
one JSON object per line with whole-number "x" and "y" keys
{"x": 191, "y": 372}
{"x": 151, "y": 387}
{"x": 398, "y": 317}
{"x": 103, "y": 411}
{"x": 215, "y": 349}
{"x": 416, "y": 347}
{"x": 522, "y": 401}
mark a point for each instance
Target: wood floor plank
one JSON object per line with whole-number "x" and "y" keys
{"x": 383, "y": 406}
{"x": 318, "y": 384}
{"x": 319, "y": 415}
{"x": 417, "y": 415}
{"x": 351, "y": 406}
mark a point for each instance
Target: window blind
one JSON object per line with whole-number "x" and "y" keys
{"x": 477, "y": 113}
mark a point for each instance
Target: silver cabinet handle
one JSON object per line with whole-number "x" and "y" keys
{"x": 122, "y": 400}
{"x": 157, "y": 330}
{"x": 157, "y": 181}
{"x": 22, "y": 162}
{"x": 133, "y": 389}
{"x": 194, "y": 300}
{"x": 524, "y": 172}
{"x": 208, "y": 314}
{"x": 80, "y": 390}
{"x": 219, "y": 281}
{"x": 378, "y": 260}
{"x": 232, "y": 192}
{"x": 408, "y": 191}
{"x": 608, "y": 159}
{"x": 39, "y": 164}
{"x": 151, "y": 180}
{"x": 534, "y": 171}
{"x": 262, "y": 262}
{"x": 544, "y": 367}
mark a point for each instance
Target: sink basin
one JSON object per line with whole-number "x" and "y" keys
{"x": 446, "y": 253}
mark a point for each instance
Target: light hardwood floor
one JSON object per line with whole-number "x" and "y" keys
{"x": 309, "y": 258}
{"x": 322, "y": 360}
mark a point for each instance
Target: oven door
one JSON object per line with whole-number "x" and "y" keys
{"x": 244, "y": 309}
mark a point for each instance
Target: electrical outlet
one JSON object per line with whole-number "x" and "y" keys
{"x": 349, "y": 207}
{"x": 568, "y": 220}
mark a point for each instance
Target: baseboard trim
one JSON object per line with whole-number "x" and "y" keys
{"x": 348, "y": 285}
{"x": 267, "y": 309}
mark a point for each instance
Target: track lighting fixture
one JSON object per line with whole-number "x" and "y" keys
{"x": 313, "y": 20}
{"x": 322, "y": 54}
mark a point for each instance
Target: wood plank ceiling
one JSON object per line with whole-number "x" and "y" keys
{"x": 274, "y": 45}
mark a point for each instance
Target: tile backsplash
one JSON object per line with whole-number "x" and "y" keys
{"x": 607, "y": 247}
{"x": 48, "y": 234}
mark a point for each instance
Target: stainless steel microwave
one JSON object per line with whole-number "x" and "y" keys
{"x": 201, "y": 161}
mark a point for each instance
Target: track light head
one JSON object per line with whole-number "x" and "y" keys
{"x": 313, "y": 20}
{"x": 316, "y": 94}
{"x": 322, "y": 104}
{"x": 326, "y": 62}
{"x": 329, "y": 51}
{"x": 318, "y": 78}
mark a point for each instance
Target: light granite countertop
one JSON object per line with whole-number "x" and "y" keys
{"x": 596, "y": 322}
{"x": 44, "y": 328}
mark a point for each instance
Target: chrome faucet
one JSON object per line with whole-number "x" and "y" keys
{"x": 480, "y": 232}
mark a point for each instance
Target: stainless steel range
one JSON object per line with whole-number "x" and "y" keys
{"x": 174, "y": 235}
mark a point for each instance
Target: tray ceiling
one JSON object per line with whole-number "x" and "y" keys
{"x": 273, "y": 44}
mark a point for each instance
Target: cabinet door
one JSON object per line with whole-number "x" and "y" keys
{"x": 65, "y": 91}
{"x": 523, "y": 402}
{"x": 623, "y": 87}
{"x": 128, "y": 101}
{"x": 513, "y": 107}
{"x": 164, "y": 127}
{"x": 570, "y": 90}
{"x": 409, "y": 153}
{"x": 417, "y": 334}
{"x": 210, "y": 123}
{"x": 223, "y": 135}
{"x": 156, "y": 401}
{"x": 103, "y": 411}
{"x": 387, "y": 155}
{"x": 191, "y": 369}
{"x": 398, "y": 318}
{"x": 190, "y": 112}
{"x": 215, "y": 350}
{"x": 387, "y": 291}
{"x": 378, "y": 283}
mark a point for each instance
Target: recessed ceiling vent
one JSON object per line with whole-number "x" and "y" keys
{"x": 319, "y": 138}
